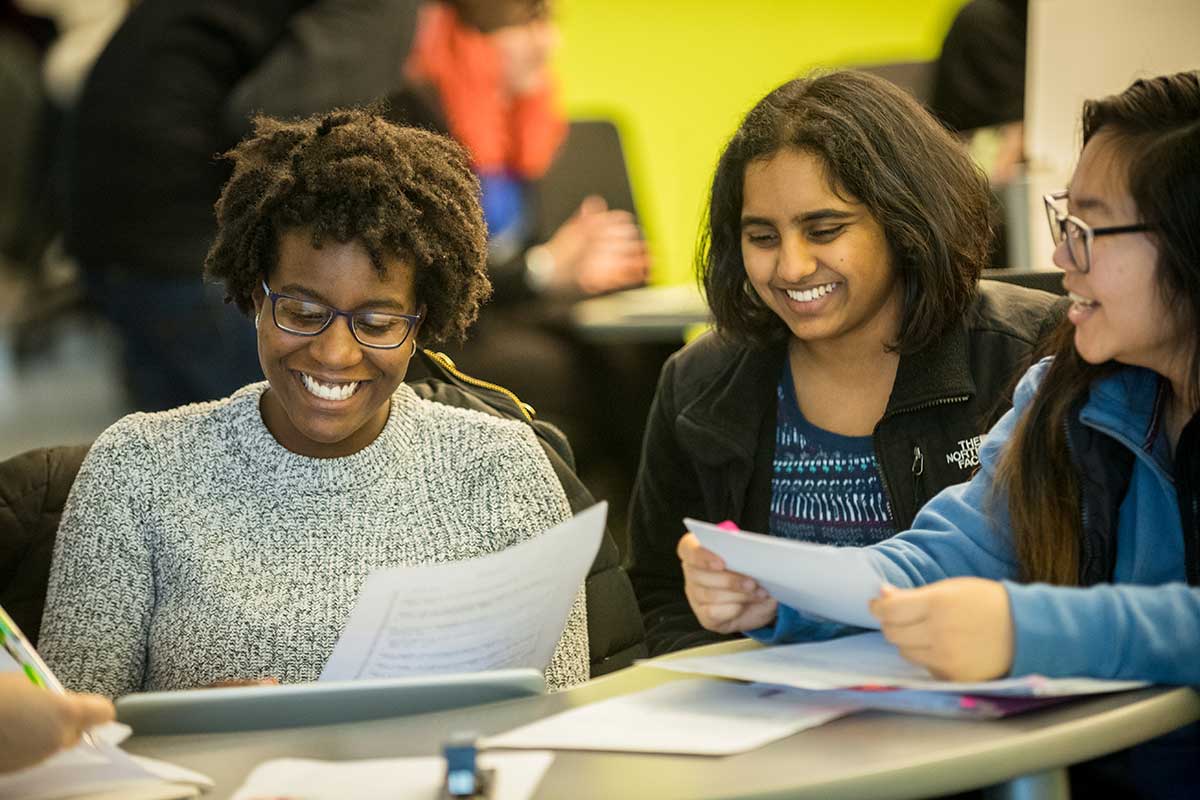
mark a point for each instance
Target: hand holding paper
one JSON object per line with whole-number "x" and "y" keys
{"x": 836, "y": 583}
{"x": 42, "y": 722}
{"x": 42, "y": 717}
{"x": 723, "y": 601}
{"x": 503, "y": 610}
{"x": 959, "y": 629}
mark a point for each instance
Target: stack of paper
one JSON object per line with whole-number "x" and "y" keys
{"x": 868, "y": 659}
{"x": 695, "y": 717}
{"x": 838, "y": 584}
{"x": 102, "y": 772}
{"x": 934, "y": 704}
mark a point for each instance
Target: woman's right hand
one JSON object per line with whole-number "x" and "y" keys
{"x": 723, "y": 601}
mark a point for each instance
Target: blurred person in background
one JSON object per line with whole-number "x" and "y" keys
{"x": 175, "y": 87}
{"x": 84, "y": 27}
{"x": 979, "y": 78}
{"x": 48, "y": 281}
{"x": 479, "y": 70}
{"x": 979, "y": 94}
{"x": 22, "y": 39}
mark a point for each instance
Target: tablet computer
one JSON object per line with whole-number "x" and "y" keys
{"x": 246, "y": 708}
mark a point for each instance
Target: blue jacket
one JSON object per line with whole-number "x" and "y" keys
{"x": 1148, "y": 608}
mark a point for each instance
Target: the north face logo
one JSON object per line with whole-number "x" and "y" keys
{"x": 967, "y": 455}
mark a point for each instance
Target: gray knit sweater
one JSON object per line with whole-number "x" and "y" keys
{"x": 194, "y": 548}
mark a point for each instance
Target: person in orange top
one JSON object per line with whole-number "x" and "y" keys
{"x": 479, "y": 71}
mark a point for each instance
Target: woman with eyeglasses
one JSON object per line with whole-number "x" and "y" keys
{"x": 1075, "y": 550}
{"x": 857, "y": 357}
{"x": 227, "y": 541}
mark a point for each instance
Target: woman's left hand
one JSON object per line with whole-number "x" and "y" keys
{"x": 959, "y": 629}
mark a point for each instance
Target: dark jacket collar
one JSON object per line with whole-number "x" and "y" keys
{"x": 737, "y": 397}
{"x": 939, "y": 372}
{"x": 730, "y": 409}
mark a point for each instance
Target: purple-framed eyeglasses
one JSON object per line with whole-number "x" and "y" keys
{"x": 378, "y": 329}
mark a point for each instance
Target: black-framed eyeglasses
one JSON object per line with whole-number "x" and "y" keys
{"x": 378, "y": 329}
{"x": 1077, "y": 233}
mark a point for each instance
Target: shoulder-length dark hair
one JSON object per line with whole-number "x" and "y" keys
{"x": 882, "y": 149}
{"x": 1155, "y": 128}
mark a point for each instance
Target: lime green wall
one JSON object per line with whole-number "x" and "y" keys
{"x": 677, "y": 75}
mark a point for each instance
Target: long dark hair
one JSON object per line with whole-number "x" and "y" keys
{"x": 882, "y": 149}
{"x": 1155, "y": 125}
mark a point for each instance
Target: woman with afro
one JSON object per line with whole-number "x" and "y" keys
{"x": 227, "y": 541}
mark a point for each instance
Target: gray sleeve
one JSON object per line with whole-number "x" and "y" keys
{"x": 101, "y": 590}
{"x": 570, "y": 664}
{"x": 335, "y": 53}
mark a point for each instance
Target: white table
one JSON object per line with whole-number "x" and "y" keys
{"x": 869, "y": 755}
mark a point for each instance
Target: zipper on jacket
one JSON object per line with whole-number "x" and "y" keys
{"x": 918, "y": 469}
{"x": 887, "y": 489}
{"x": 447, "y": 364}
{"x": 942, "y": 401}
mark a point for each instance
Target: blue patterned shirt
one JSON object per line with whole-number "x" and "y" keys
{"x": 826, "y": 487}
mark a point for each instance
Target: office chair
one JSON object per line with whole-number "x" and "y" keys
{"x": 33, "y": 490}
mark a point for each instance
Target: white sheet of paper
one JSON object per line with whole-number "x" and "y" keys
{"x": 835, "y": 583}
{"x": 502, "y": 610}
{"x": 867, "y": 659}
{"x": 692, "y": 717}
{"x": 517, "y": 776}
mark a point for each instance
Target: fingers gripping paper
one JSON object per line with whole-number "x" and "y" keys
{"x": 835, "y": 583}
{"x": 503, "y": 610}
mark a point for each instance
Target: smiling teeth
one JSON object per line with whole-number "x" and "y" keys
{"x": 1080, "y": 300}
{"x": 808, "y": 295}
{"x": 328, "y": 391}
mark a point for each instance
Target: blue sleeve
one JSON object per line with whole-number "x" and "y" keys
{"x": 1122, "y": 632}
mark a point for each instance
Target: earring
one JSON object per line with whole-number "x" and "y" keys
{"x": 414, "y": 350}
{"x": 257, "y": 317}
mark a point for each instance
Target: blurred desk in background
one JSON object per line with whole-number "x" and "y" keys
{"x": 664, "y": 314}
{"x": 651, "y": 315}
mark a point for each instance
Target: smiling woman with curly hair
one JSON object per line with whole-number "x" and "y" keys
{"x": 227, "y": 541}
